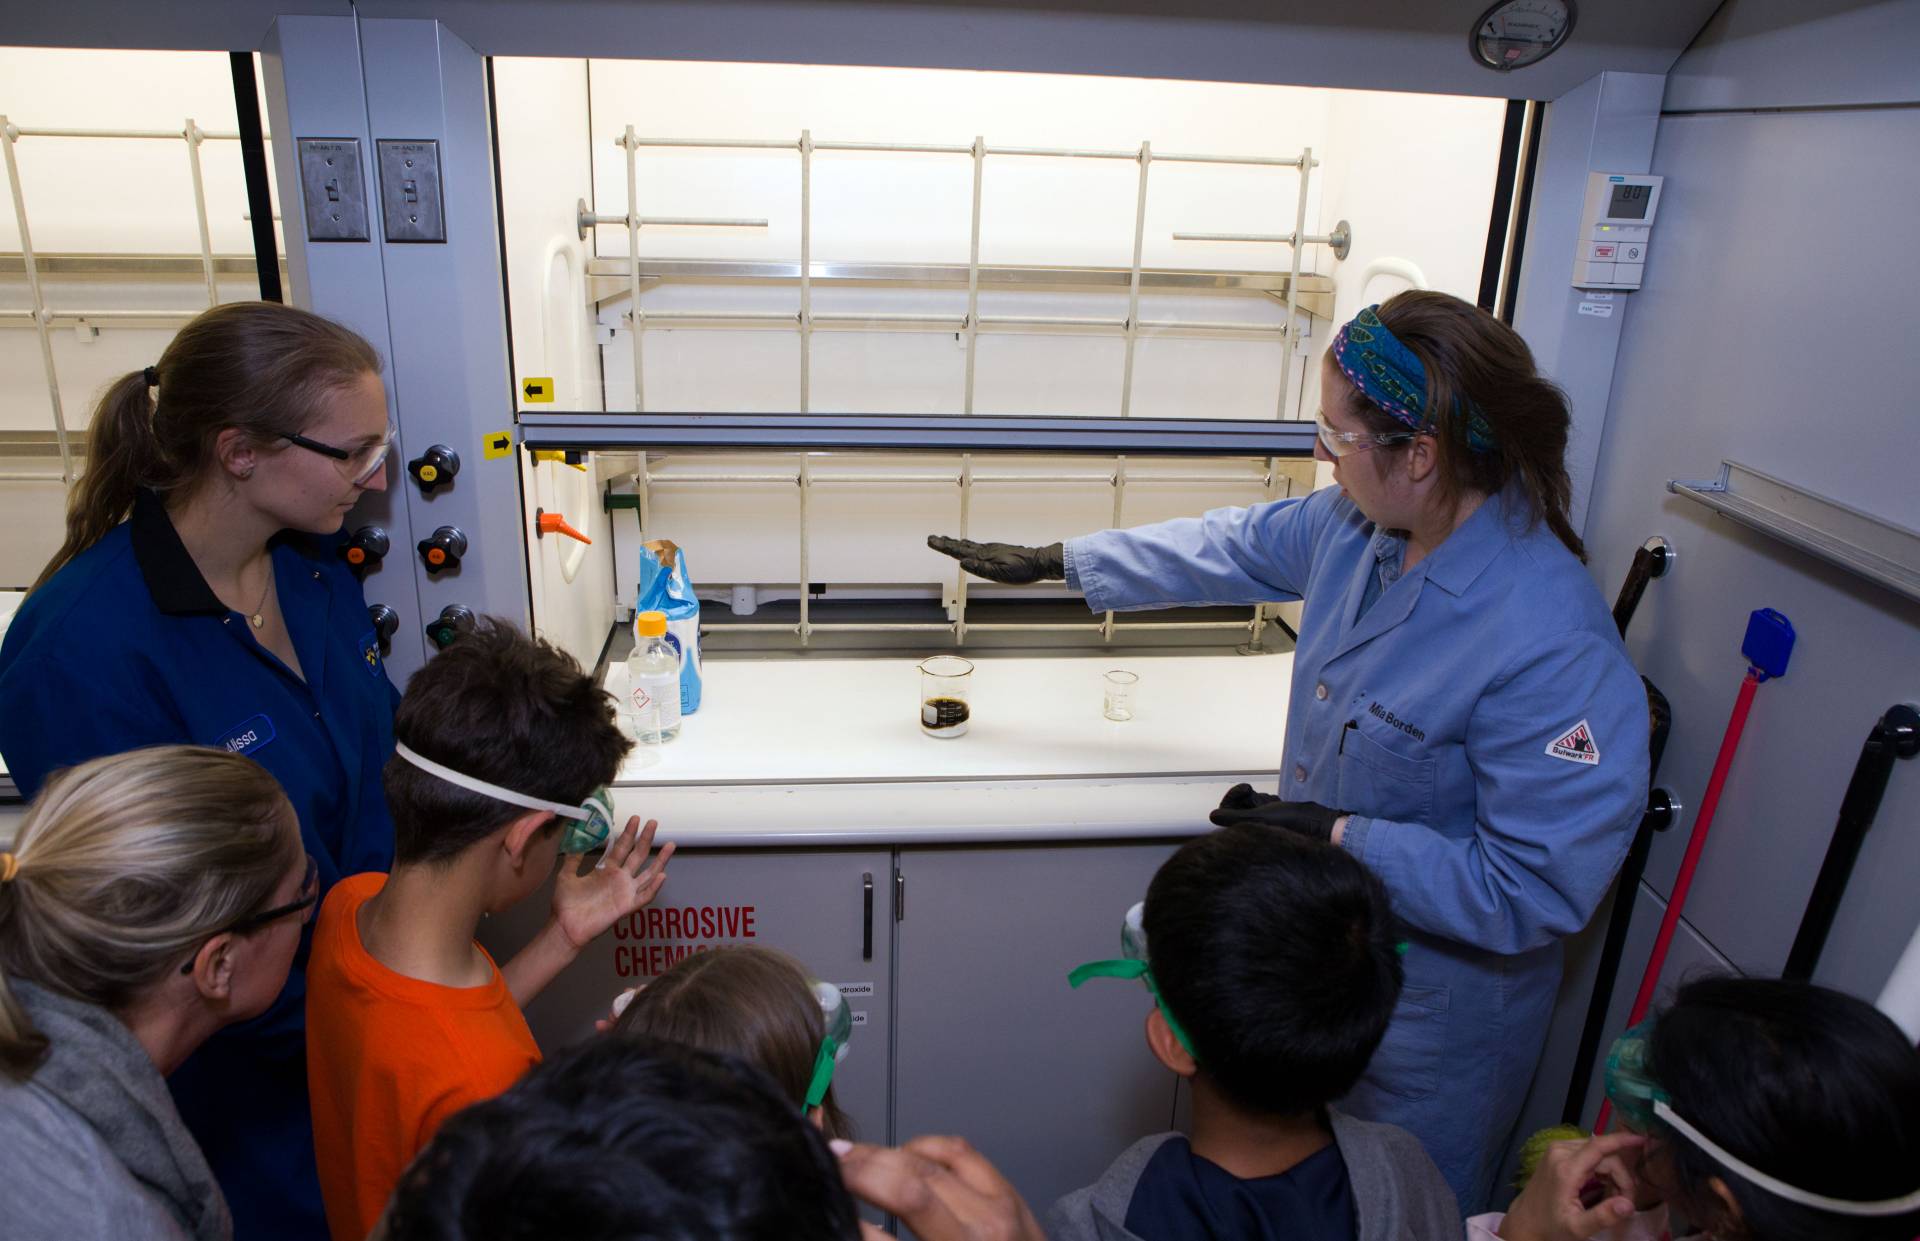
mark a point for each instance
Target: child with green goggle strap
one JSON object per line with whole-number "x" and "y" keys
{"x": 1755, "y": 1110}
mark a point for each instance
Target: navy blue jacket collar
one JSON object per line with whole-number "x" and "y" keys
{"x": 174, "y": 581}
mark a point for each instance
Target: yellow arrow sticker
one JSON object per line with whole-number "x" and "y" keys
{"x": 495, "y": 446}
{"x": 538, "y": 389}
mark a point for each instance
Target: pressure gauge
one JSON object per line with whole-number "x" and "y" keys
{"x": 1516, "y": 33}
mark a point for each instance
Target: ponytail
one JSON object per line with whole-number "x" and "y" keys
{"x": 1475, "y": 364}
{"x": 123, "y": 867}
{"x": 260, "y": 367}
{"x": 122, "y": 456}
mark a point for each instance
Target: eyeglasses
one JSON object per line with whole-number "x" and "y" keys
{"x": 304, "y": 906}
{"x": 358, "y": 464}
{"x": 1345, "y": 443}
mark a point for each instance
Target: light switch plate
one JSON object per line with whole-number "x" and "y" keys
{"x": 410, "y": 198}
{"x": 334, "y": 189}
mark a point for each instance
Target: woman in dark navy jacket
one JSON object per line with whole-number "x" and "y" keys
{"x": 199, "y": 598}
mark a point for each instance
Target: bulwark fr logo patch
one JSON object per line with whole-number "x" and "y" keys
{"x": 1576, "y": 745}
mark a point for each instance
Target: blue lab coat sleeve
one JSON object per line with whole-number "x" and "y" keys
{"x": 1259, "y": 554}
{"x": 1549, "y": 833}
{"x": 95, "y": 719}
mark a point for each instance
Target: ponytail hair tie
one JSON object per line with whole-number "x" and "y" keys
{"x": 152, "y": 377}
{"x": 9, "y": 867}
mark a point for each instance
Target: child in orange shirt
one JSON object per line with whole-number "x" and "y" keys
{"x": 409, "y": 1020}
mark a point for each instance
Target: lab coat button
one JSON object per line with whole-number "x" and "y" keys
{"x": 1299, "y": 773}
{"x": 1320, "y": 692}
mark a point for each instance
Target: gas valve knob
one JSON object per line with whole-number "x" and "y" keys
{"x": 434, "y": 468}
{"x": 386, "y": 623}
{"x": 454, "y": 620}
{"x": 365, "y": 549}
{"x": 443, "y": 550}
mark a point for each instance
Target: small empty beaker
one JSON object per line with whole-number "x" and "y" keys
{"x": 944, "y": 684}
{"x": 1119, "y": 698}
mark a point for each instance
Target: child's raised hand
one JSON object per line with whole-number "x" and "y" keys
{"x": 1552, "y": 1206}
{"x": 586, "y": 904}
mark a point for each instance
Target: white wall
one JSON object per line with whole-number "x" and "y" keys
{"x": 104, "y": 196}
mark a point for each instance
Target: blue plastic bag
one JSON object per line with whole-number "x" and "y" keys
{"x": 665, "y": 587}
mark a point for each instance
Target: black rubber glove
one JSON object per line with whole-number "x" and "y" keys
{"x": 1004, "y": 562}
{"x": 1305, "y": 818}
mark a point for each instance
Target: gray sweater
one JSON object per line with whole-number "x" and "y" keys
{"x": 91, "y": 1147}
{"x": 1397, "y": 1192}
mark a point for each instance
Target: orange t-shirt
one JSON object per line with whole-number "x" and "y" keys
{"x": 389, "y": 1058}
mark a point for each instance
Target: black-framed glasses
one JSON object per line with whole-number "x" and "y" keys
{"x": 309, "y": 900}
{"x": 360, "y": 463}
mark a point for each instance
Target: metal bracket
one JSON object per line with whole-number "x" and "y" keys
{"x": 1837, "y": 533}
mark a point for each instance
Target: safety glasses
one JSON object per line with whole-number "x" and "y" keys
{"x": 1346, "y": 443}
{"x": 357, "y": 464}
{"x": 1133, "y": 964}
{"x": 589, "y": 824}
{"x": 309, "y": 899}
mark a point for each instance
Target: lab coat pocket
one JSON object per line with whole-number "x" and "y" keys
{"x": 1378, "y": 783}
{"x": 1407, "y": 1065}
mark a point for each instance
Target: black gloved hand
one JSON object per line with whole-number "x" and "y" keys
{"x": 1004, "y": 562}
{"x": 1305, "y": 818}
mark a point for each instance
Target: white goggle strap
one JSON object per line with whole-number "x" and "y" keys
{"x": 1778, "y": 1188}
{"x": 475, "y": 785}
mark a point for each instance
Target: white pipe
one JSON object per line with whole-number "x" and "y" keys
{"x": 1900, "y": 998}
{"x": 929, "y": 148}
{"x": 8, "y": 134}
{"x": 194, "y": 136}
{"x": 1404, "y": 269}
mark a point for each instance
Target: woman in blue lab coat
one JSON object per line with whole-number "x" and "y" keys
{"x": 199, "y": 598}
{"x": 1463, "y": 717}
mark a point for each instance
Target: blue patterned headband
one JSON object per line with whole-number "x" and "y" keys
{"x": 1390, "y": 375}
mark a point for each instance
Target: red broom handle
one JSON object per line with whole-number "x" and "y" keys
{"x": 1702, "y": 824}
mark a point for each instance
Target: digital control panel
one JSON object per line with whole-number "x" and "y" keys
{"x": 1616, "y": 230}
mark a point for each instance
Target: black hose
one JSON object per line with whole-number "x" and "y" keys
{"x": 1896, "y": 735}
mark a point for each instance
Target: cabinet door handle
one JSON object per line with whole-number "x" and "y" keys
{"x": 866, "y": 933}
{"x": 899, "y": 897}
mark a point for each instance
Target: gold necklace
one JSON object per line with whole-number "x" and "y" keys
{"x": 259, "y": 617}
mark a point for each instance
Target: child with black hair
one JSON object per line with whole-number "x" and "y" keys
{"x": 1274, "y": 967}
{"x": 504, "y": 746}
{"x": 627, "y": 1137}
{"x": 1763, "y": 1110}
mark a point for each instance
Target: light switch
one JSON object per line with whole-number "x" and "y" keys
{"x": 410, "y": 199}
{"x": 333, "y": 189}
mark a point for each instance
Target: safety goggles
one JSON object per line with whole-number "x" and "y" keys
{"x": 1642, "y": 1105}
{"x": 589, "y": 824}
{"x": 1133, "y": 964}
{"x": 304, "y": 905}
{"x": 833, "y": 1048}
{"x": 1346, "y": 443}
{"x": 357, "y": 464}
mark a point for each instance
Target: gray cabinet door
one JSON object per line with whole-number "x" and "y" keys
{"x": 807, "y": 902}
{"x": 1048, "y": 1082}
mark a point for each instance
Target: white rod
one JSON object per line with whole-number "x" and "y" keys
{"x": 1133, "y": 282}
{"x": 1119, "y": 496}
{"x": 902, "y": 148}
{"x": 806, "y": 268}
{"x": 1273, "y": 482}
{"x": 806, "y": 591}
{"x": 643, "y": 491}
{"x": 973, "y": 274}
{"x": 9, "y": 134}
{"x": 1260, "y": 161}
{"x": 717, "y": 144}
{"x": 1293, "y": 283}
{"x": 633, "y": 269}
{"x": 685, "y": 221}
{"x": 1285, "y": 239}
{"x": 933, "y": 627}
{"x": 44, "y": 132}
{"x": 193, "y": 135}
{"x": 726, "y": 316}
{"x": 53, "y": 316}
{"x": 978, "y": 478}
{"x": 11, "y": 477}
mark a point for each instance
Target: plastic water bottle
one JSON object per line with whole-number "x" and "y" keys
{"x": 653, "y": 681}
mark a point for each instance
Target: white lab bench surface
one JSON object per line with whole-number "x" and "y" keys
{"x": 829, "y": 751}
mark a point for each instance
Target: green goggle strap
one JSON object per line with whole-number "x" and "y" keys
{"x": 1131, "y": 969}
{"x": 822, "y": 1072}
